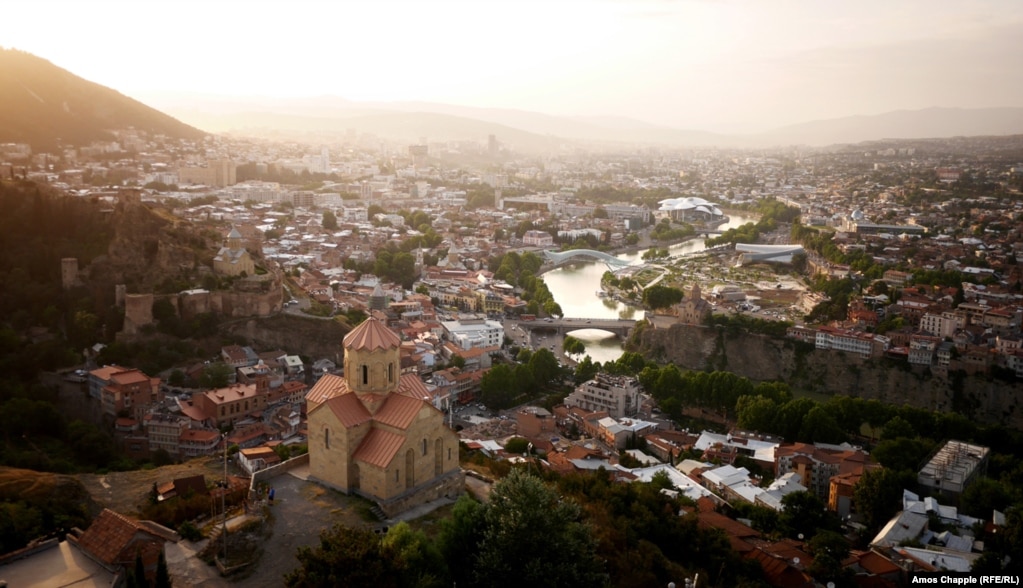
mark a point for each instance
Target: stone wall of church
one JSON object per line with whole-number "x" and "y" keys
{"x": 451, "y": 485}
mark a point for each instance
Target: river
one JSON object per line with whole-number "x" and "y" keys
{"x": 575, "y": 287}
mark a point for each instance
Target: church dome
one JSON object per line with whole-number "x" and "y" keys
{"x": 371, "y": 335}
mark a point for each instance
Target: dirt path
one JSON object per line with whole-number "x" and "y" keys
{"x": 125, "y": 492}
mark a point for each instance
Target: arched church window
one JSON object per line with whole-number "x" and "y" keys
{"x": 326, "y": 438}
{"x": 365, "y": 374}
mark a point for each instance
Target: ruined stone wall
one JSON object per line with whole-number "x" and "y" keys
{"x": 138, "y": 312}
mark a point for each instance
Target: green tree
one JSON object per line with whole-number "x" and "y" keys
{"x": 459, "y": 538}
{"x": 544, "y": 367}
{"x": 572, "y": 345}
{"x": 791, "y": 415}
{"x": 345, "y": 557}
{"x": 659, "y": 296}
{"x": 756, "y": 413}
{"x": 804, "y": 515}
{"x": 897, "y": 428}
{"x": 983, "y": 496}
{"x": 902, "y": 453}
{"x": 329, "y": 220}
{"x": 820, "y": 425}
{"x": 828, "y": 549}
{"x": 163, "y": 579}
{"x": 878, "y": 495}
{"x": 586, "y": 370}
{"x": 499, "y": 387}
{"x": 215, "y": 375}
{"x": 458, "y": 361}
{"x": 534, "y": 537}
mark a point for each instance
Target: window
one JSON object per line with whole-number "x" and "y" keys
{"x": 397, "y": 478}
{"x": 424, "y": 446}
{"x": 390, "y": 374}
{"x": 365, "y": 374}
{"x": 326, "y": 438}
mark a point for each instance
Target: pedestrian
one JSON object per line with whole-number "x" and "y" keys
{"x": 271, "y": 496}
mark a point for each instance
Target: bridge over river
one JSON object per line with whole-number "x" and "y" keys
{"x": 562, "y": 326}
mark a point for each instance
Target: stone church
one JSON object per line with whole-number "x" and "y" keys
{"x": 233, "y": 259}
{"x": 693, "y": 310}
{"x": 374, "y": 431}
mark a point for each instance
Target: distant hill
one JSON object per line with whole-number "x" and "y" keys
{"x": 44, "y": 105}
{"x": 899, "y": 124}
{"x": 409, "y": 121}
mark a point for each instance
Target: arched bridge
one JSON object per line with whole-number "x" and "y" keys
{"x": 559, "y": 257}
{"x": 620, "y": 327}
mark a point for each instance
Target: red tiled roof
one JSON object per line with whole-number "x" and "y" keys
{"x": 326, "y": 388}
{"x": 731, "y": 527}
{"x": 199, "y": 435}
{"x": 129, "y": 377}
{"x": 410, "y": 385}
{"x": 192, "y": 411}
{"x": 877, "y": 564}
{"x": 370, "y": 335}
{"x": 348, "y": 410}
{"x": 398, "y": 411}
{"x": 109, "y": 534}
{"x": 379, "y": 447}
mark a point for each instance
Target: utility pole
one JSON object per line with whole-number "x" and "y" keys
{"x": 223, "y": 498}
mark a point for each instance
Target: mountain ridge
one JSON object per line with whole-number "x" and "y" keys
{"x": 47, "y": 106}
{"x": 933, "y": 122}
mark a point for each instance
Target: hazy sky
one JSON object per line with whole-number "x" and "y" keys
{"x": 710, "y": 64}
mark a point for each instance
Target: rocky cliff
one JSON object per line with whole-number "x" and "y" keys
{"x": 829, "y": 373}
{"x": 313, "y": 337}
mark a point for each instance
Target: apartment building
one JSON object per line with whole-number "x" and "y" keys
{"x": 226, "y": 406}
{"x": 836, "y": 339}
{"x": 619, "y": 396}
{"x": 129, "y": 392}
{"x": 474, "y": 333}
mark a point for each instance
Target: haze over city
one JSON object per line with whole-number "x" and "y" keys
{"x": 727, "y": 66}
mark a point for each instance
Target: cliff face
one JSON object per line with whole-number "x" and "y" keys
{"x": 316, "y": 338}
{"x": 830, "y": 373}
{"x": 146, "y": 248}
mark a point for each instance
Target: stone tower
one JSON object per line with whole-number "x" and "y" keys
{"x": 69, "y": 272}
{"x": 372, "y": 359}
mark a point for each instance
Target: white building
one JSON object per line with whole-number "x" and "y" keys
{"x": 942, "y": 325}
{"x": 535, "y": 238}
{"x": 618, "y": 395}
{"x": 474, "y": 333}
{"x": 861, "y": 344}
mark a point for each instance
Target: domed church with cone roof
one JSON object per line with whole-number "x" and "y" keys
{"x": 374, "y": 431}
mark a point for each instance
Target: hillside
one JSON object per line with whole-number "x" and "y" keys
{"x": 46, "y": 106}
{"x": 900, "y": 124}
{"x": 34, "y": 504}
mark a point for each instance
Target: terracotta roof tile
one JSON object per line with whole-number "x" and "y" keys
{"x": 326, "y": 388}
{"x": 371, "y": 334}
{"x": 398, "y": 411}
{"x": 349, "y": 410}
{"x": 108, "y": 535}
{"x": 379, "y": 447}
{"x": 410, "y": 385}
